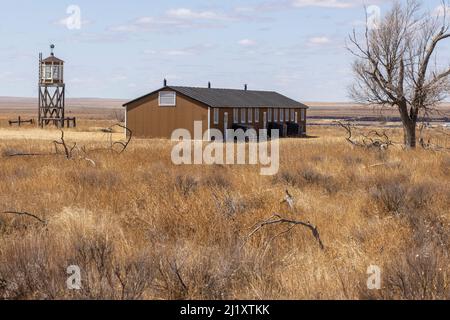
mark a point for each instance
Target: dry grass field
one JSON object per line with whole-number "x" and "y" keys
{"x": 140, "y": 227}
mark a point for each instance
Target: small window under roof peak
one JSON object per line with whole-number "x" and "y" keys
{"x": 167, "y": 99}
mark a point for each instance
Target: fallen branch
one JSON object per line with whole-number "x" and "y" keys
{"x": 67, "y": 151}
{"x": 25, "y": 214}
{"x": 373, "y": 139}
{"x": 20, "y": 154}
{"x": 384, "y": 164}
{"x": 125, "y": 144}
{"x": 276, "y": 219}
{"x": 428, "y": 144}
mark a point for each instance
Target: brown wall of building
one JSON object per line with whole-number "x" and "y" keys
{"x": 148, "y": 120}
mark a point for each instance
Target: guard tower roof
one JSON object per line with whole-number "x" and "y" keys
{"x": 52, "y": 59}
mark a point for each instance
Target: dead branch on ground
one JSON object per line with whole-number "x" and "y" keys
{"x": 25, "y": 214}
{"x": 427, "y": 144}
{"x": 122, "y": 144}
{"x": 370, "y": 140}
{"x": 277, "y": 219}
{"x": 22, "y": 154}
{"x": 68, "y": 151}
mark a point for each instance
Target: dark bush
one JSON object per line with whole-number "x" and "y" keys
{"x": 186, "y": 185}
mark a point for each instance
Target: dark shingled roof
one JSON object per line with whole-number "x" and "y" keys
{"x": 221, "y": 98}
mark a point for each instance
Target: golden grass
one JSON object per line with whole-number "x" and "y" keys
{"x": 140, "y": 227}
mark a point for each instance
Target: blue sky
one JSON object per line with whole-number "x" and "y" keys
{"x": 125, "y": 48}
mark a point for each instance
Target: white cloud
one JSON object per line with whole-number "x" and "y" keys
{"x": 178, "y": 52}
{"x": 247, "y": 42}
{"x": 183, "y": 13}
{"x": 150, "y": 52}
{"x": 319, "y": 40}
{"x": 188, "y": 51}
{"x": 179, "y": 18}
{"x": 323, "y": 3}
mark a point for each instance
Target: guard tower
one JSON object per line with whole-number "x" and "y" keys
{"x": 51, "y": 90}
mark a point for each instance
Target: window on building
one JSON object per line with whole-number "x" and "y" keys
{"x": 55, "y": 71}
{"x": 167, "y": 99}
{"x": 243, "y": 112}
{"x": 48, "y": 72}
{"x": 270, "y": 115}
{"x": 286, "y": 115}
{"x": 303, "y": 115}
{"x": 250, "y": 115}
{"x": 257, "y": 115}
{"x": 296, "y": 117}
{"x": 275, "y": 115}
{"x": 235, "y": 116}
{"x": 292, "y": 115}
{"x": 216, "y": 116}
{"x": 281, "y": 115}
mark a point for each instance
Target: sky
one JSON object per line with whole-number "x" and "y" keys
{"x": 124, "y": 49}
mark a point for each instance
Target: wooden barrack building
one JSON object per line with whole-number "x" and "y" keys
{"x": 159, "y": 113}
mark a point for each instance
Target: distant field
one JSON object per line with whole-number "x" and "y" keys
{"x": 84, "y": 108}
{"x": 90, "y": 109}
{"x": 339, "y": 110}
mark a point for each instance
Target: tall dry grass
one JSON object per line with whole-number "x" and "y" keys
{"x": 141, "y": 228}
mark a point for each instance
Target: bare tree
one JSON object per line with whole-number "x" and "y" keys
{"x": 396, "y": 64}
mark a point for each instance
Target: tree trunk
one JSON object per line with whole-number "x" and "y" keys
{"x": 410, "y": 134}
{"x": 409, "y": 126}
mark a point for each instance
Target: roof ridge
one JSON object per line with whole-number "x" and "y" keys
{"x": 235, "y": 89}
{"x": 222, "y": 97}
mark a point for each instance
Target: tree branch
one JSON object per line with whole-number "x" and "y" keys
{"x": 25, "y": 214}
{"x": 276, "y": 219}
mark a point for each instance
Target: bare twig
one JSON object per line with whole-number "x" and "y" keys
{"x": 20, "y": 154}
{"x": 276, "y": 219}
{"x": 67, "y": 150}
{"x": 25, "y": 214}
{"x": 373, "y": 139}
{"x": 125, "y": 144}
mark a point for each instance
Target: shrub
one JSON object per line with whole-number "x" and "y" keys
{"x": 390, "y": 196}
{"x": 398, "y": 196}
{"x": 421, "y": 274}
{"x": 186, "y": 185}
{"x": 96, "y": 178}
{"x": 307, "y": 176}
{"x": 217, "y": 181}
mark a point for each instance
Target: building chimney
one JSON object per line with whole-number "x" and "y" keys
{"x": 165, "y": 82}
{"x": 245, "y": 87}
{"x": 209, "y": 85}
